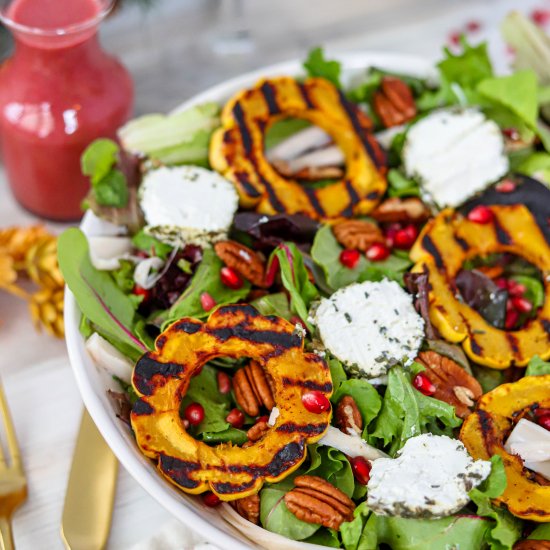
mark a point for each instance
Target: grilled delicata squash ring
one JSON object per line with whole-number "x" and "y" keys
{"x": 485, "y": 431}
{"x": 237, "y": 149}
{"x": 161, "y": 379}
{"x": 445, "y": 243}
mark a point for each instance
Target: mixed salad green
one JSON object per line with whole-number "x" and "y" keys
{"x": 154, "y": 282}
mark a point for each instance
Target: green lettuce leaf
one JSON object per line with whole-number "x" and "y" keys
{"x": 295, "y": 279}
{"x": 325, "y": 537}
{"x": 337, "y": 373}
{"x": 326, "y": 254}
{"x": 506, "y": 529}
{"x": 536, "y": 165}
{"x": 406, "y": 412}
{"x": 150, "y": 245}
{"x": 542, "y": 532}
{"x": 537, "y": 367}
{"x": 110, "y": 311}
{"x": 273, "y": 304}
{"x": 317, "y": 65}
{"x": 205, "y": 279}
{"x": 332, "y": 465}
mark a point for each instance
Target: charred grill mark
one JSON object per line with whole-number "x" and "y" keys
{"x": 353, "y": 196}
{"x": 160, "y": 342}
{"x": 513, "y": 341}
{"x": 244, "y": 181}
{"x": 285, "y": 458}
{"x": 359, "y": 130}
{"x": 273, "y": 198}
{"x": 486, "y": 426}
{"x": 246, "y": 309}
{"x": 231, "y": 488}
{"x": 179, "y": 470}
{"x": 270, "y": 97}
{"x": 373, "y": 195}
{"x": 238, "y": 114}
{"x": 503, "y": 236}
{"x": 305, "y": 95}
{"x": 314, "y": 201}
{"x": 189, "y": 327}
{"x": 142, "y": 408}
{"x": 430, "y": 247}
{"x": 306, "y": 429}
{"x": 276, "y": 339}
{"x": 462, "y": 243}
{"x": 146, "y": 368}
{"x": 476, "y": 348}
{"x": 227, "y": 137}
{"x": 307, "y": 384}
{"x": 545, "y": 325}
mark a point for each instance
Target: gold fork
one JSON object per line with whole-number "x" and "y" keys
{"x": 13, "y": 485}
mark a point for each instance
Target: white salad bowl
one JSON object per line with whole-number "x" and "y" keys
{"x": 221, "y": 526}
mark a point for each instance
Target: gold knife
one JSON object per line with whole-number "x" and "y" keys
{"x": 90, "y": 495}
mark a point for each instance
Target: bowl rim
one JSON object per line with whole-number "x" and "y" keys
{"x": 85, "y": 372}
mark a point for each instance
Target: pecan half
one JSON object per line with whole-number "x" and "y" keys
{"x": 315, "y": 500}
{"x": 396, "y": 210}
{"x": 348, "y": 416}
{"x": 257, "y": 431}
{"x": 243, "y": 260}
{"x": 252, "y": 389}
{"x": 249, "y": 508}
{"x": 357, "y": 234}
{"x": 452, "y": 383}
{"x": 394, "y": 102}
{"x": 532, "y": 545}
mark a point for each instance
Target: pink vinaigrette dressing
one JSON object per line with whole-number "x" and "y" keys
{"x": 58, "y": 92}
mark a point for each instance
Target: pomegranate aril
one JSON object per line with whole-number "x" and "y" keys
{"x": 473, "y": 26}
{"x": 140, "y": 291}
{"x": 361, "y": 469}
{"x": 377, "y": 252}
{"x": 512, "y": 317}
{"x": 454, "y": 38}
{"x": 235, "y": 418}
{"x": 194, "y": 414}
{"x": 390, "y": 232}
{"x": 481, "y": 214}
{"x": 405, "y": 237}
{"x": 506, "y": 186}
{"x": 541, "y": 411}
{"x": 315, "y": 402}
{"x": 207, "y": 302}
{"x": 211, "y": 500}
{"x": 515, "y": 288}
{"x": 230, "y": 278}
{"x": 350, "y": 258}
{"x": 522, "y": 304}
{"x": 512, "y": 134}
{"x": 423, "y": 384}
{"x": 544, "y": 421}
{"x": 501, "y": 282}
{"x": 540, "y": 16}
{"x": 224, "y": 382}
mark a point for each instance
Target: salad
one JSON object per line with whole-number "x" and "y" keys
{"x": 326, "y": 305}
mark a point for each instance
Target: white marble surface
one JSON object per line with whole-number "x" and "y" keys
{"x": 169, "y": 52}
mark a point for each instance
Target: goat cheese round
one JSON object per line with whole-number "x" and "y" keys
{"x": 187, "y": 204}
{"x": 454, "y": 154}
{"x": 370, "y": 326}
{"x": 430, "y": 477}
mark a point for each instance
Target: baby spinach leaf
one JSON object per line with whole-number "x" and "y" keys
{"x": 102, "y": 302}
{"x": 325, "y": 537}
{"x": 406, "y": 412}
{"x": 537, "y": 367}
{"x": 273, "y": 304}
{"x": 205, "y": 279}
{"x": 338, "y": 375}
{"x": 542, "y": 532}
{"x": 317, "y": 65}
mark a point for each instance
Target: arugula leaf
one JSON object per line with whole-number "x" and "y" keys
{"x": 203, "y": 389}
{"x": 150, "y": 245}
{"x": 537, "y": 367}
{"x": 467, "y": 68}
{"x": 326, "y": 254}
{"x": 205, "y": 279}
{"x": 275, "y": 516}
{"x": 273, "y": 304}
{"x": 406, "y": 412}
{"x": 506, "y": 528}
{"x": 295, "y": 279}
{"x": 102, "y": 302}
{"x": 517, "y": 92}
{"x": 365, "y": 395}
{"x": 317, "y": 65}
